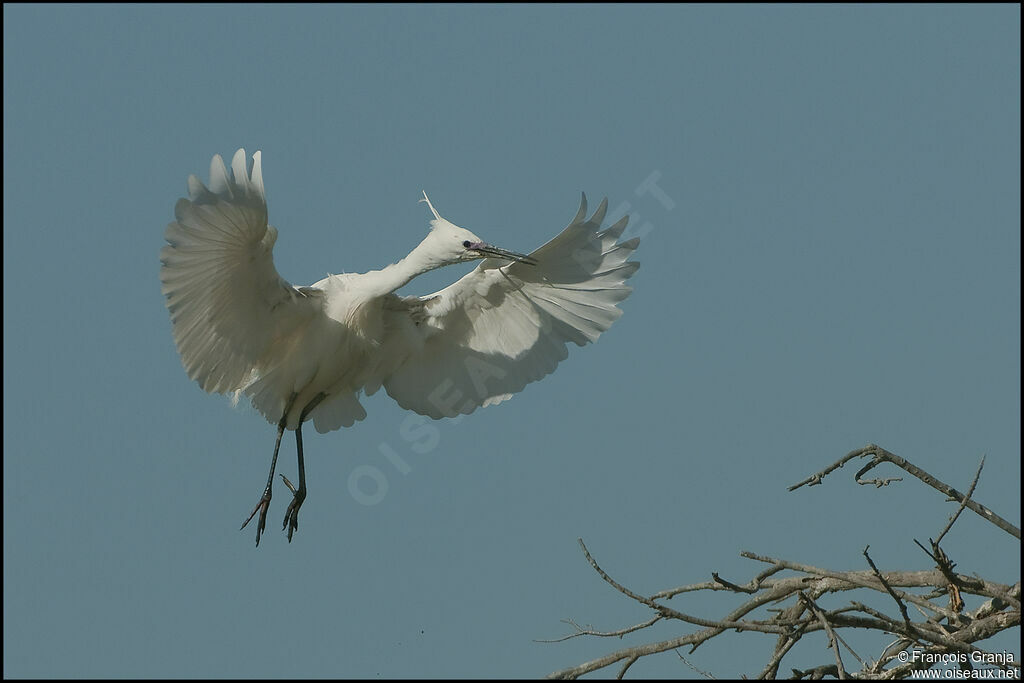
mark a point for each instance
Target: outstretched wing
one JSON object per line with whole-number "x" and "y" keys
{"x": 505, "y": 325}
{"x": 231, "y": 312}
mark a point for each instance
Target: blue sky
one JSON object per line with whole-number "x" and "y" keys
{"x": 828, "y": 200}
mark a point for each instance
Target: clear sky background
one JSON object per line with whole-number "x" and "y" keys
{"x": 831, "y": 258}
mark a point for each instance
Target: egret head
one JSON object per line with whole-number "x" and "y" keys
{"x": 448, "y": 243}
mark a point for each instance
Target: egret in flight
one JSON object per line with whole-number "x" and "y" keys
{"x": 306, "y": 353}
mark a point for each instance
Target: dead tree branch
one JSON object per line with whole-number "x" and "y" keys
{"x": 880, "y": 455}
{"x": 793, "y": 600}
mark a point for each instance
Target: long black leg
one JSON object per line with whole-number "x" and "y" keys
{"x": 291, "y": 515}
{"x": 264, "y": 503}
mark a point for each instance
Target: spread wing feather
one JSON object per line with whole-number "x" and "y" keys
{"x": 233, "y": 315}
{"x": 504, "y": 325}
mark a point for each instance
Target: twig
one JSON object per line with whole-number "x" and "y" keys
{"x": 832, "y": 640}
{"x": 815, "y": 479}
{"x": 881, "y": 455}
{"x": 731, "y": 586}
{"x": 625, "y": 667}
{"x": 688, "y": 663}
{"x": 784, "y": 645}
{"x": 946, "y": 566}
{"x": 963, "y": 504}
{"x": 580, "y": 631}
{"x": 669, "y": 612}
{"x": 877, "y": 483}
{"x": 753, "y": 586}
{"x": 889, "y": 590}
{"x": 817, "y": 673}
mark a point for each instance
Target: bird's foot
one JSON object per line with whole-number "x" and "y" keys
{"x": 262, "y": 508}
{"x": 291, "y": 515}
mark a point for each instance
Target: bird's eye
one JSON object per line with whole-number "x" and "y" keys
{"x": 466, "y": 244}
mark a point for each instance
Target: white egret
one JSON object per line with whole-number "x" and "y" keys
{"x": 306, "y": 353}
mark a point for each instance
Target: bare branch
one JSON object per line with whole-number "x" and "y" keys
{"x": 580, "y": 631}
{"x": 688, "y": 663}
{"x": 832, "y": 640}
{"x": 864, "y": 579}
{"x": 671, "y": 613}
{"x": 731, "y": 586}
{"x": 963, "y": 504}
{"x": 784, "y": 645}
{"x": 625, "y": 667}
{"x": 815, "y": 479}
{"x": 881, "y": 455}
{"x": 794, "y": 605}
{"x": 753, "y": 586}
{"x": 889, "y": 590}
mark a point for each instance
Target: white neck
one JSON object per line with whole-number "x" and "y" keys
{"x": 397, "y": 275}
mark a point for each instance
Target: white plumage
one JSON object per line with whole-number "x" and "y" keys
{"x": 308, "y": 352}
